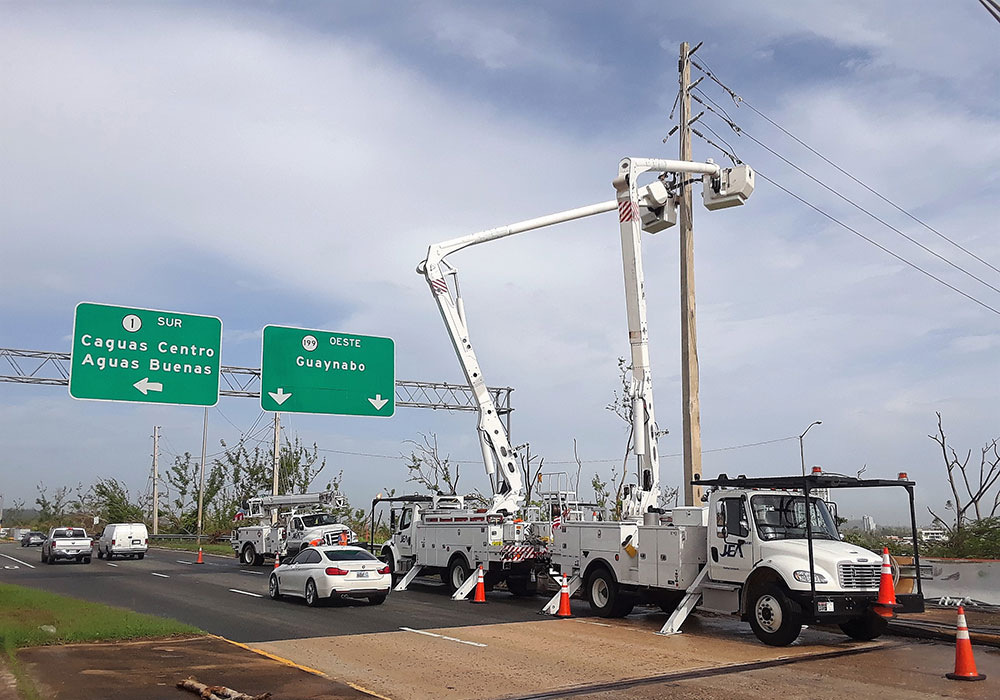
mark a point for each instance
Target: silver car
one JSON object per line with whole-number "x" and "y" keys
{"x": 321, "y": 573}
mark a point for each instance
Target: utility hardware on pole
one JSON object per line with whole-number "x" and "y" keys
{"x": 691, "y": 437}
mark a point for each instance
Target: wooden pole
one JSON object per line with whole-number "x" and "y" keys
{"x": 156, "y": 480}
{"x": 689, "y": 337}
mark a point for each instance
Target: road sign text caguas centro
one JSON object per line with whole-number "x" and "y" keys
{"x": 311, "y": 371}
{"x": 126, "y": 354}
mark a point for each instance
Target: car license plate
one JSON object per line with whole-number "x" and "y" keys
{"x": 362, "y": 574}
{"x": 136, "y": 541}
{"x": 824, "y": 606}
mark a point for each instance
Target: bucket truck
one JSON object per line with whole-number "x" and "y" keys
{"x": 444, "y": 535}
{"x": 763, "y": 548}
{"x": 297, "y": 520}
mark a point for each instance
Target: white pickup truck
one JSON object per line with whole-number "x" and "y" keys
{"x": 67, "y": 543}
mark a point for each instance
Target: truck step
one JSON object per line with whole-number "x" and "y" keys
{"x": 687, "y": 605}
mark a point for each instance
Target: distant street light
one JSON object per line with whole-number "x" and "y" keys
{"x": 802, "y": 454}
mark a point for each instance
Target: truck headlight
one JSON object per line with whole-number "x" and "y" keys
{"x": 803, "y": 577}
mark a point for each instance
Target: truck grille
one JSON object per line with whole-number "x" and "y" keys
{"x": 859, "y": 575}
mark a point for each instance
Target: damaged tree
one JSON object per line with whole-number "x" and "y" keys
{"x": 973, "y": 498}
{"x": 217, "y": 692}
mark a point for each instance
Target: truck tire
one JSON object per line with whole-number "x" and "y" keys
{"x": 249, "y": 555}
{"x": 772, "y": 617}
{"x": 108, "y": 555}
{"x": 865, "y": 629}
{"x": 142, "y": 556}
{"x": 45, "y": 559}
{"x": 312, "y": 596}
{"x": 458, "y": 572}
{"x": 100, "y": 554}
{"x": 605, "y": 597}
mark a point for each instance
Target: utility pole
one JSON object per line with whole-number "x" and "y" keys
{"x": 689, "y": 337}
{"x": 201, "y": 490}
{"x": 156, "y": 480}
{"x": 277, "y": 462}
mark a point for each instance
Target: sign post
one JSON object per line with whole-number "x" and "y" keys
{"x": 145, "y": 356}
{"x": 311, "y": 371}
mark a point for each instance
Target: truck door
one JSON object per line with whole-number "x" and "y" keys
{"x": 404, "y": 532}
{"x": 296, "y": 531}
{"x": 730, "y": 551}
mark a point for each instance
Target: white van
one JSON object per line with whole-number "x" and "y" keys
{"x": 123, "y": 540}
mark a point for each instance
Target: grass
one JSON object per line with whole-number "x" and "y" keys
{"x": 191, "y": 546}
{"x": 24, "y": 611}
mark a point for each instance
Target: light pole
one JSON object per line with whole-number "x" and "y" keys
{"x": 802, "y": 453}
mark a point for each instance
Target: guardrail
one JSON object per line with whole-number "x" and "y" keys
{"x": 207, "y": 538}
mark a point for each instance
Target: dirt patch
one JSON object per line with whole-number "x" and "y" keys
{"x": 150, "y": 670}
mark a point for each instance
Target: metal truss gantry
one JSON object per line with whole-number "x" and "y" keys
{"x": 52, "y": 368}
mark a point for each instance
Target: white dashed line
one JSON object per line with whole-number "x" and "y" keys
{"x": 441, "y": 636}
{"x": 184, "y": 562}
{"x": 257, "y": 573}
{"x": 255, "y": 595}
{"x": 160, "y": 575}
{"x": 591, "y": 622}
{"x": 18, "y": 561}
{"x": 110, "y": 564}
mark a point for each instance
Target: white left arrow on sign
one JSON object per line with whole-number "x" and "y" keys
{"x": 146, "y": 386}
{"x": 279, "y": 396}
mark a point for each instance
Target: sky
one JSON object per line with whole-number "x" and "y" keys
{"x": 279, "y": 163}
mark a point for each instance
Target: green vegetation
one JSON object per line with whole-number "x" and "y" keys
{"x": 28, "y": 616}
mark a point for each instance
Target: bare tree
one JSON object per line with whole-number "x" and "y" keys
{"x": 531, "y": 468}
{"x": 969, "y": 494}
{"x": 429, "y": 469}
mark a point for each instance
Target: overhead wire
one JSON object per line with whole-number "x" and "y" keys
{"x": 741, "y": 101}
{"x": 743, "y": 132}
{"x": 992, "y": 7}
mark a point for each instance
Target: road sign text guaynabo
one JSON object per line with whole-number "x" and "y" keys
{"x": 127, "y": 354}
{"x": 310, "y": 371}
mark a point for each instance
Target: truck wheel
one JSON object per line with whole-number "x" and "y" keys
{"x": 142, "y": 556}
{"x": 100, "y": 554}
{"x": 45, "y": 559}
{"x": 86, "y": 560}
{"x": 772, "y": 618}
{"x": 458, "y": 572}
{"x": 865, "y": 629}
{"x": 605, "y": 597}
{"x": 249, "y": 555}
{"x": 312, "y": 597}
{"x": 108, "y": 555}
{"x": 272, "y": 588}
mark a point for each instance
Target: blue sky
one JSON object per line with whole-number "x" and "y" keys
{"x": 280, "y": 163}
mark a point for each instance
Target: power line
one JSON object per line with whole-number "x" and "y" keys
{"x": 992, "y": 7}
{"x": 739, "y": 100}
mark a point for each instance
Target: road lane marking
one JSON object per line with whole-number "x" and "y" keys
{"x": 441, "y": 636}
{"x": 184, "y": 562}
{"x": 160, "y": 575}
{"x": 237, "y": 590}
{"x": 258, "y": 573}
{"x": 591, "y": 622}
{"x": 110, "y": 564}
{"x": 18, "y": 561}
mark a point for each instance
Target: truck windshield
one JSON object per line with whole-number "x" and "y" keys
{"x": 780, "y": 517}
{"x": 319, "y": 520}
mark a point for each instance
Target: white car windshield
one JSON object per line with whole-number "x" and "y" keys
{"x": 319, "y": 519}
{"x": 781, "y": 517}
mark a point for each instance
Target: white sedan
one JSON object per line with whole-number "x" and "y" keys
{"x": 320, "y": 573}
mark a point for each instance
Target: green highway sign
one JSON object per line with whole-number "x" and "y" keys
{"x": 126, "y": 354}
{"x": 309, "y": 371}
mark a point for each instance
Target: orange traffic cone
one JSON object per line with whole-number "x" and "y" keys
{"x": 886, "y": 605}
{"x": 277, "y": 560}
{"x": 965, "y": 665}
{"x": 564, "y": 609}
{"x": 480, "y": 596}
{"x": 201, "y": 559}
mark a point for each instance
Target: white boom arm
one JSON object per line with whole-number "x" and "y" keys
{"x": 257, "y": 505}
{"x": 493, "y": 438}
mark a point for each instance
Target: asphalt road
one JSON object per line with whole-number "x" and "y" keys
{"x": 225, "y": 598}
